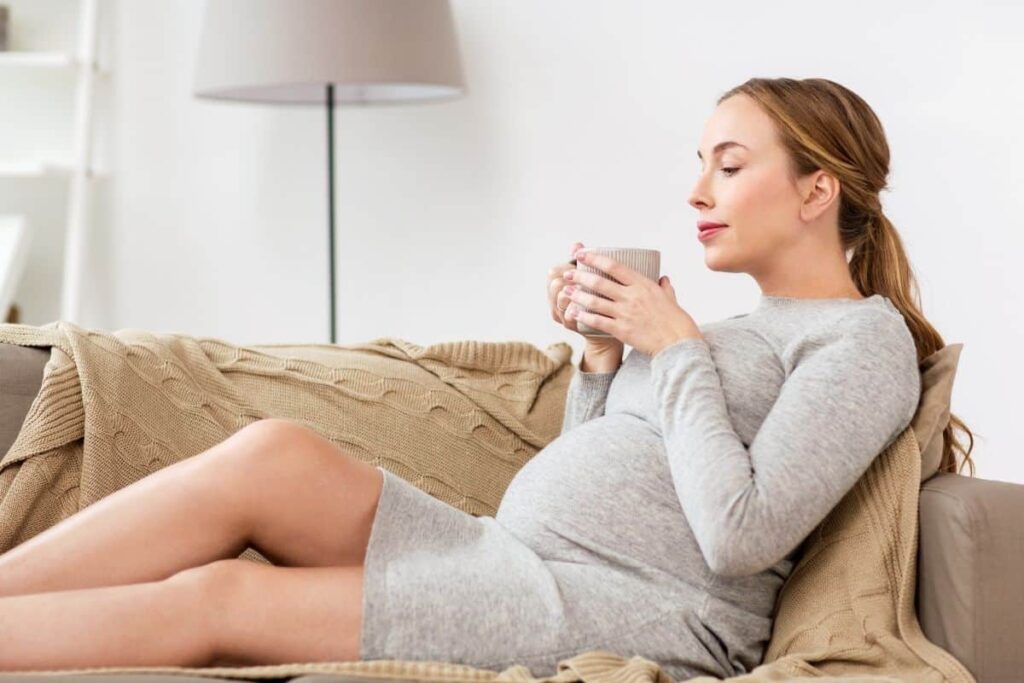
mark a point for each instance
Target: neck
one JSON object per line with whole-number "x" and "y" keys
{"x": 805, "y": 273}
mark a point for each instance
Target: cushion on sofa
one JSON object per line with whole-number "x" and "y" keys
{"x": 937, "y": 374}
{"x": 971, "y": 560}
{"x": 21, "y": 374}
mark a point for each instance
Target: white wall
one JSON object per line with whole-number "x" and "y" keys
{"x": 581, "y": 123}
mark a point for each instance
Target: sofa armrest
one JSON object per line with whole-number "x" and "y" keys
{"x": 970, "y": 590}
{"x": 21, "y": 376}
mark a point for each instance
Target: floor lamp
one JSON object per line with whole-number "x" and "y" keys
{"x": 328, "y": 52}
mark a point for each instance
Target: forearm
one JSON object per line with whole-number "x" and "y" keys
{"x": 588, "y": 389}
{"x": 601, "y": 359}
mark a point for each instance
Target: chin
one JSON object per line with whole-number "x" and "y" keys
{"x": 718, "y": 260}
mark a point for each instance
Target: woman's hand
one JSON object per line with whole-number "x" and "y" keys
{"x": 559, "y": 302}
{"x": 638, "y": 312}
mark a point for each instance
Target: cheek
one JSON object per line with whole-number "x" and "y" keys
{"x": 757, "y": 192}
{"x": 760, "y": 205}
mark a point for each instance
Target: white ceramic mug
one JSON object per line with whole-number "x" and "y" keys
{"x": 647, "y": 262}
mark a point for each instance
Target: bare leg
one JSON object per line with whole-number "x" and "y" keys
{"x": 145, "y": 624}
{"x": 274, "y": 485}
{"x": 227, "y": 613}
{"x": 277, "y": 615}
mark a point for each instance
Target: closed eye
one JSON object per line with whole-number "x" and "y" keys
{"x": 730, "y": 170}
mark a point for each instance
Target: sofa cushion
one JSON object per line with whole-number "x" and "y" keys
{"x": 937, "y": 374}
{"x": 971, "y": 560}
{"x": 21, "y": 375}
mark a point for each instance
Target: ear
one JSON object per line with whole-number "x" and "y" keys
{"x": 819, "y": 190}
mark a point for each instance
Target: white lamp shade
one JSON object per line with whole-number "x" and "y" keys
{"x": 288, "y": 51}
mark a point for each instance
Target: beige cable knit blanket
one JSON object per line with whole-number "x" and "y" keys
{"x": 457, "y": 419}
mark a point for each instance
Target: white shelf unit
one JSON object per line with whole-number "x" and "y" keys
{"x": 73, "y": 164}
{"x": 14, "y": 242}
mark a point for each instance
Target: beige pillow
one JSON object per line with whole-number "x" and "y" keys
{"x": 937, "y": 374}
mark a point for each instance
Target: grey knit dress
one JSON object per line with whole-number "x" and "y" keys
{"x": 665, "y": 517}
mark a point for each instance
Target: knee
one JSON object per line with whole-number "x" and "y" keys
{"x": 213, "y": 584}
{"x": 258, "y": 452}
{"x": 214, "y": 591}
{"x": 270, "y": 454}
{"x": 270, "y": 440}
{"x": 274, "y": 430}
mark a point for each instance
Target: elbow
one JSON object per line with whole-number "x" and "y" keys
{"x": 729, "y": 559}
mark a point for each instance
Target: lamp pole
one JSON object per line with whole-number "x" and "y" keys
{"x": 330, "y": 200}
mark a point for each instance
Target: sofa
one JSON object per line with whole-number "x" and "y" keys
{"x": 970, "y": 591}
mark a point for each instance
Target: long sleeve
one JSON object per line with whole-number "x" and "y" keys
{"x": 585, "y": 399}
{"x": 852, "y": 389}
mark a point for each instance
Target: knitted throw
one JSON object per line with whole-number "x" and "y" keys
{"x": 458, "y": 420}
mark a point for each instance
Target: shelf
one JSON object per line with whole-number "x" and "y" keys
{"x": 36, "y": 59}
{"x": 44, "y": 60}
{"x": 34, "y": 169}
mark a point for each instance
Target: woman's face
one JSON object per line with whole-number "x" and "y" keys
{"x": 745, "y": 182}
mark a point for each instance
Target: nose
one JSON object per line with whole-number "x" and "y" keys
{"x": 700, "y": 198}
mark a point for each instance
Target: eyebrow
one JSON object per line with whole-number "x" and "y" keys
{"x": 722, "y": 145}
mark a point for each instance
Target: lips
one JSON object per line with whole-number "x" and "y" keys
{"x": 709, "y": 225}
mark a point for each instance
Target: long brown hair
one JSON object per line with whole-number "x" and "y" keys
{"x": 824, "y": 125}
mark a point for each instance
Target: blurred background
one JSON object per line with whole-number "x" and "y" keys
{"x": 580, "y": 122}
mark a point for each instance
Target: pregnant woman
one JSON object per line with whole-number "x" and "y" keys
{"x": 661, "y": 522}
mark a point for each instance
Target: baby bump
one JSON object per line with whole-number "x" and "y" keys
{"x": 601, "y": 493}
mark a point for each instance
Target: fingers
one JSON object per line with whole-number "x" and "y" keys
{"x": 561, "y": 299}
{"x": 576, "y": 247}
{"x": 594, "y": 304}
{"x": 557, "y": 296}
{"x": 570, "y": 293}
{"x": 615, "y": 270}
{"x": 560, "y": 303}
{"x": 554, "y": 288}
{"x": 556, "y": 300}
{"x": 595, "y": 282}
{"x": 556, "y": 271}
{"x": 563, "y": 304}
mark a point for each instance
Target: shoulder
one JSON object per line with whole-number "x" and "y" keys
{"x": 866, "y": 329}
{"x": 867, "y": 345}
{"x": 875, "y": 330}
